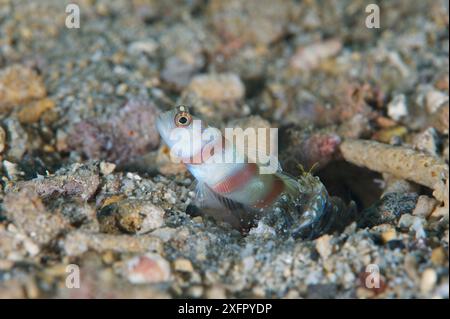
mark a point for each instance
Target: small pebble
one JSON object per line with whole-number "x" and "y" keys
{"x": 418, "y": 227}
{"x": 397, "y": 108}
{"x": 434, "y": 99}
{"x": 310, "y": 57}
{"x": 31, "y": 247}
{"x": 107, "y": 168}
{"x": 31, "y": 113}
{"x": 406, "y": 221}
{"x": 148, "y": 268}
{"x": 19, "y": 84}
{"x": 440, "y": 119}
{"x": 12, "y": 170}
{"x": 438, "y": 256}
{"x": 195, "y": 291}
{"x": 389, "y": 235}
{"x": 323, "y": 246}
{"x": 217, "y": 87}
{"x": 216, "y": 292}
{"x": 183, "y": 265}
{"x": 410, "y": 265}
{"x": 121, "y": 89}
{"x": 427, "y": 141}
{"x": 425, "y": 206}
{"x": 145, "y": 46}
{"x": 428, "y": 281}
{"x": 6, "y": 264}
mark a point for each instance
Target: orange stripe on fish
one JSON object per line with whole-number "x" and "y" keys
{"x": 237, "y": 180}
{"x": 276, "y": 189}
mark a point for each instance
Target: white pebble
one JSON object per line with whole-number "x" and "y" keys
{"x": 397, "y": 108}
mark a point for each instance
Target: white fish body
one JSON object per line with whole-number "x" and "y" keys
{"x": 224, "y": 186}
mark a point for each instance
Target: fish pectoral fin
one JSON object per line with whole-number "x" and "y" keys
{"x": 224, "y": 209}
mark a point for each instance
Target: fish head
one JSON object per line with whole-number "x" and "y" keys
{"x": 181, "y": 131}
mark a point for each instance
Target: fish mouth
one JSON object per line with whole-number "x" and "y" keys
{"x": 159, "y": 119}
{"x": 160, "y": 124}
{"x": 164, "y": 124}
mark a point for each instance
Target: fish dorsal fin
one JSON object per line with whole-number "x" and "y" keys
{"x": 258, "y": 156}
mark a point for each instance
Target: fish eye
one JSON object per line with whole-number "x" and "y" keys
{"x": 183, "y": 119}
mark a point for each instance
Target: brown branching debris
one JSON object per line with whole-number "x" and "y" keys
{"x": 399, "y": 161}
